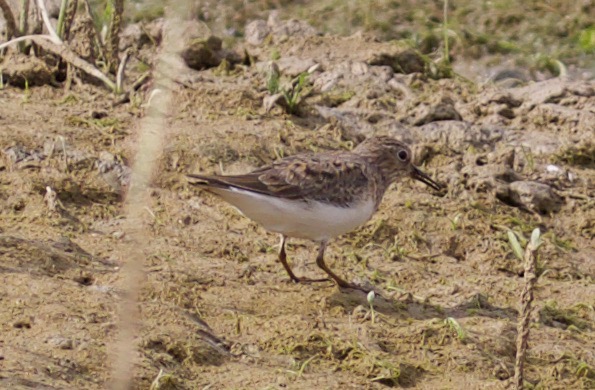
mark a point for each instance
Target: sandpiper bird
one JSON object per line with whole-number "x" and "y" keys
{"x": 317, "y": 196}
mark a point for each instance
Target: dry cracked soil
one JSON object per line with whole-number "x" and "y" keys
{"x": 217, "y": 309}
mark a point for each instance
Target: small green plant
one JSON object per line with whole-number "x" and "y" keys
{"x": 303, "y": 365}
{"x": 27, "y": 93}
{"x": 445, "y": 33}
{"x": 586, "y": 40}
{"x": 293, "y": 95}
{"x": 61, "y": 16}
{"x": 453, "y": 325}
{"x": 273, "y": 81}
{"x": 515, "y": 245}
{"x": 389, "y": 373}
{"x": 584, "y": 370}
{"x": 455, "y": 222}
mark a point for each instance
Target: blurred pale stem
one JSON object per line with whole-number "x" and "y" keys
{"x": 445, "y": 33}
{"x": 152, "y": 135}
{"x": 23, "y": 22}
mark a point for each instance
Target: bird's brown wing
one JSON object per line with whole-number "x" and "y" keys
{"x": 340, "y": 178}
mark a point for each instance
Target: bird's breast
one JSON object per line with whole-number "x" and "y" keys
{"x": 312, "y": 220}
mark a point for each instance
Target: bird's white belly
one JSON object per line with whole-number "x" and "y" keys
{"x": 312, "y": 220}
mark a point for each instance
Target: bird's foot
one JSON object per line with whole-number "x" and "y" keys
{"x": 366, "y": 288}
{"x": 305, "y": 280}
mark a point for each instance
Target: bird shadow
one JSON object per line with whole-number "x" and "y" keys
{"x": 404, "y": 307}
{"x": 407, "y": 306}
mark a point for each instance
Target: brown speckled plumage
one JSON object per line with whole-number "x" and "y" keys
{"x": 340, "y": 178}
{"x": 348, "y": 180}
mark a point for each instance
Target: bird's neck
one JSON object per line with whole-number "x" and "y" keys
{"x": 381, "y": 169}
{"x": 380, "y": 181}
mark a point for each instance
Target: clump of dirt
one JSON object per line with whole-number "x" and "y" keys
{"x": 25, "y": 72}
{"x": 218, "y": 310}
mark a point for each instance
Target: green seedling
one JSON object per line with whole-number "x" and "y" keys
{"x": 515, "y": 245}
{"x": 27, "y": 94}
{"x": 454, "y": 223}
{"x": 293, "y": 95}
{"x": 586, "y": 40}
{"x": 456, "y": 327}
{"x": 583, "y": 370}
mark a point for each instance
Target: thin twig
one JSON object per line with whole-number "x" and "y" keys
{"x": 28, "y": 37}
{"x": 125, "y": 98}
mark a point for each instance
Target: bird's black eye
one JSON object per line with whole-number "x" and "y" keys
{"x": 403, "y": 155}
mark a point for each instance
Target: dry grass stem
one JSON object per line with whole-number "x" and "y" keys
{"x": 525, "y": 313}
{"x": 121, "y": 70}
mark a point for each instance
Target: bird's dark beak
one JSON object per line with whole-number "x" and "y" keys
{"x": 418, "y": 174}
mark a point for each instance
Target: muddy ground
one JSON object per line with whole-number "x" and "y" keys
{"x": 218, "y": 311}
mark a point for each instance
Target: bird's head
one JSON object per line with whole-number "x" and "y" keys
{"x": 394, "y": 160}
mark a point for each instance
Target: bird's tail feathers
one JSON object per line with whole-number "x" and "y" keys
{"x": 206, "y": 181}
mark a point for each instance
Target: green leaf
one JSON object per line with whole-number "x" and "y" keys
{"x": 536, "y": 239}
{"x": 514, "y": 244}
{"x": 454, "y": 325}
{"x": 586, "y": 40}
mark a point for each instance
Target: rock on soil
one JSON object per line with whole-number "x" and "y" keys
{"x": 531, "y": 195}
